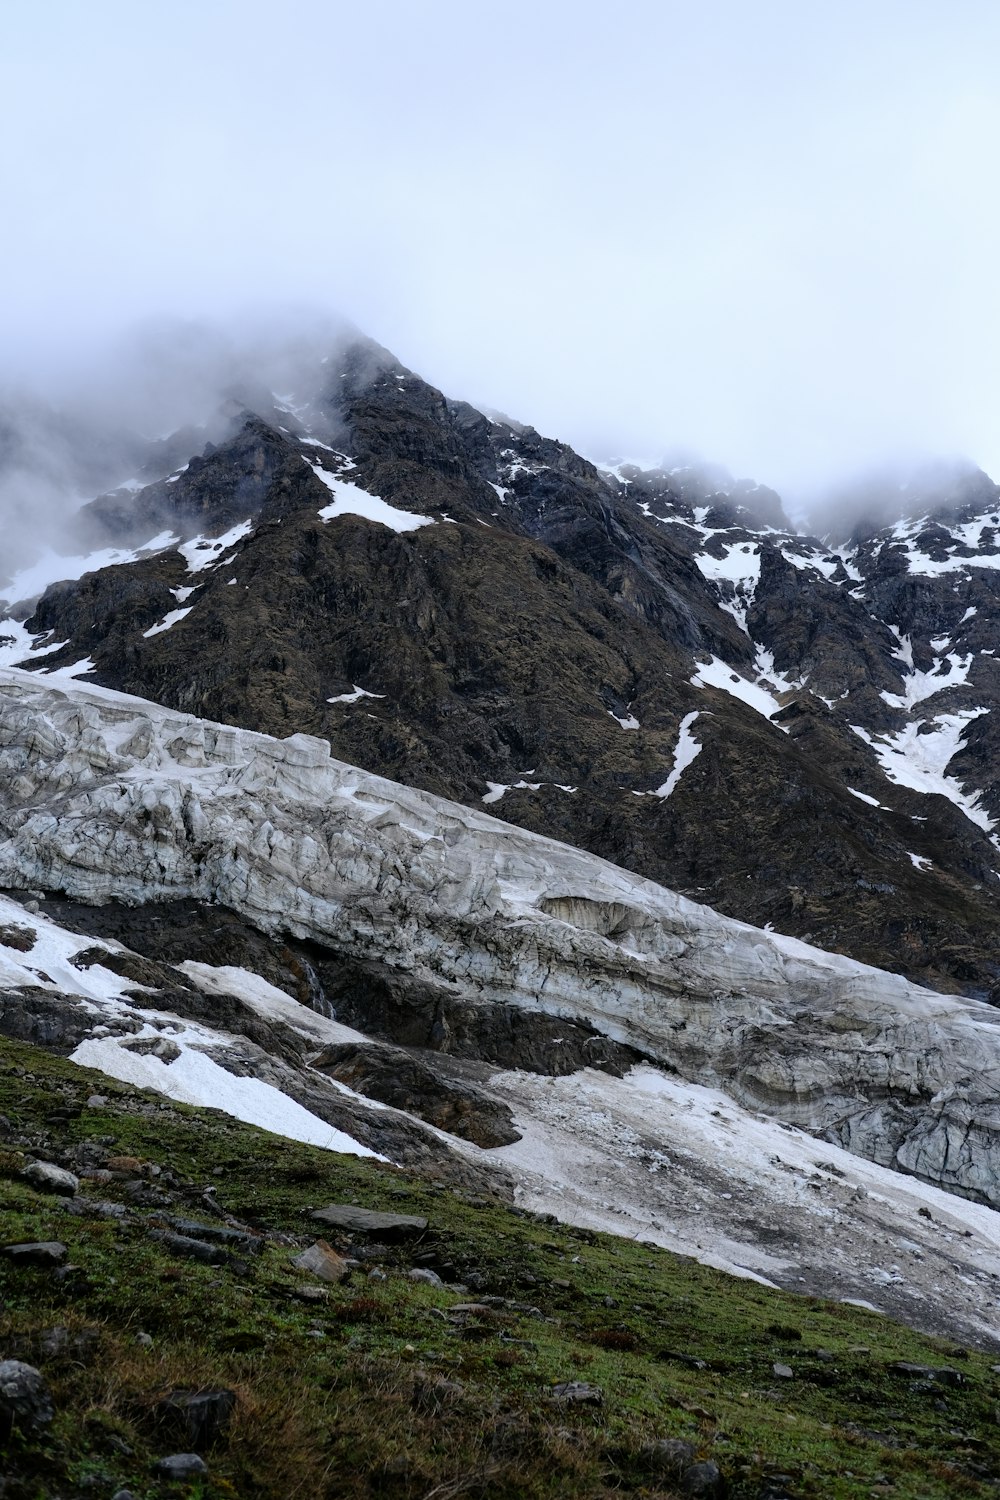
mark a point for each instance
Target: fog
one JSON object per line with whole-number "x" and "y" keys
{"x": 763, "y": 234}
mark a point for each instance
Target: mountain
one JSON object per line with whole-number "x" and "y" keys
{"x": 390, "y": 776}
{"x": 652, "y": 666}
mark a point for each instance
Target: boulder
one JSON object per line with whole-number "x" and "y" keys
{"x": 24, "y": 1398}
{"x": 322, "y": 1261}
{"x": 48, "y": 1178}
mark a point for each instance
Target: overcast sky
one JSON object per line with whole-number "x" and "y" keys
{"x": 767, "y": 232}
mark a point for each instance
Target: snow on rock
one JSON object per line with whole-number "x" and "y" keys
{"x": 739, "y": 563}
{"x": 268, "y": 1001}
{"x": 355, "y": 696}
{"x": 947, "y": 672}
{"x": 719, "y": 674}
{"x": 686, "y": 749}
{"x": 203, "y": 552}
{"x": 18, "y": 645}
{"x": 498, "y": 789}
{"x": 105, "y": 797}
{"x": 195, "y": 1078}
{"x": 53, "y": 567}
{"x": 168, "y": 620}
{"x": 918, "y": 757}
{"x": 350, "y": 500}
{"x": 48, "y": 963}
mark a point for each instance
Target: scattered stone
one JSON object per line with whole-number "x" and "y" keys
{"x": 389, "y": 1228}
{"x": 145, "y": 1340}
{"x": 311, "y": 1293}
{"x": 578, "y": 1392}
{"x": 180, "y": 1466}
{"x": 71, "y": 1273}
{"x": 322, "y": 1261}
{"x": 783, "y": 1372}
{"x": 95, "y": 1208}
{"x": 97, "y": 1101}
{"x": 198, "y": 1417}
{"x": 668, "y": 1456}
{"x": 426, "y": 1275}
{"x": 703, "y": 1482}
{"x": 182, "y": 1244}
{"x": 24, "y": 1398}
{"x": 41, "y": 1253}
{"x": 51, "y": 1179}
{"x": 160, "y": 1047}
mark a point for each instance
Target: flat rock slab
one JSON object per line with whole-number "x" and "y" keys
{"x": 41, "y": 1253}
{"x": 354, "y": 1220}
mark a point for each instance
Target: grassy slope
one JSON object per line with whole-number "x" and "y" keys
{"x": 395, "y": 1399}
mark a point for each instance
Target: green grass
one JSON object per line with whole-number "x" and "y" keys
{"x": 396, "y": 1400}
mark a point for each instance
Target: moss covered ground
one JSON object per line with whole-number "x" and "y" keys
{"x": 377, "y": 1386}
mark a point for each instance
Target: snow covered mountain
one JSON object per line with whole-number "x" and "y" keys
{"x": 640, "y": 663}
{"x": 652, "y": 668}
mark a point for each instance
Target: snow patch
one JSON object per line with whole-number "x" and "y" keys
{"x": 686, "y": 749}
{"x": 864, "y": 797}
{"x": 355, "y": 696}
{"x": 718, "y": 674}
{"x": 917, "y": 686}
{"x": 919, "y": 760}
{"x": 350, "y": 500}
{"x": 52, "y": 567}
{"x": 168, "y": 621}
{"x": 203, "y": 552}
{"x": 195, "y": 1078}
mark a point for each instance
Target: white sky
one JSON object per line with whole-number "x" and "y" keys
{"x": 764, "y": 231}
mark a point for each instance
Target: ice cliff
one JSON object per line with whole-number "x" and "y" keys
{"x": 107, "y": 797}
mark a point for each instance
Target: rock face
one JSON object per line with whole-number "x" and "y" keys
{"x": 105, "y": 798}
{"x": 410, "y": 1083}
